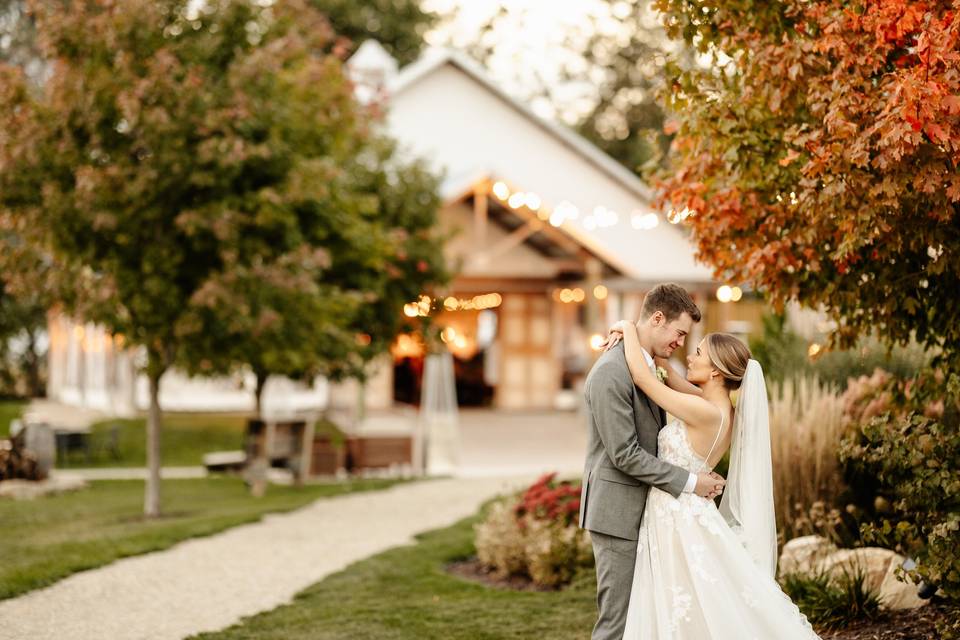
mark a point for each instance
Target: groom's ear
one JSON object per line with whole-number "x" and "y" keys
{"x": 657, "y": 318}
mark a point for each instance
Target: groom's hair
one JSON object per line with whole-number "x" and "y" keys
{"x": 670, "y": 299}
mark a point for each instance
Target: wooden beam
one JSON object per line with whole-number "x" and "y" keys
{"x": 480, "y": 211}
{"x": 555, "y": 234}
{"x": 513, "y": 239}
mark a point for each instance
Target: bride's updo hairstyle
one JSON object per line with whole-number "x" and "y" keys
{"x": 730, "y": 356}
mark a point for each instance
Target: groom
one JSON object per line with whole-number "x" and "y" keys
{"x": 622, "y": 461}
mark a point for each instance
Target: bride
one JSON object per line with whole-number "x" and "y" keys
{"x": 704, "y": 573}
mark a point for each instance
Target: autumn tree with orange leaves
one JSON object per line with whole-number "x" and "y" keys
{"x": 818, "y": 153}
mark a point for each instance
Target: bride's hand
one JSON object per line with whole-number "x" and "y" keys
{"x": 615, "y": 334}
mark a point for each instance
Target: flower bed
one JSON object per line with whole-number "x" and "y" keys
{"x": 535, "y": 534}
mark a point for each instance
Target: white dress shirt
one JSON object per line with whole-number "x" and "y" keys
{"x": 692, "y": 480}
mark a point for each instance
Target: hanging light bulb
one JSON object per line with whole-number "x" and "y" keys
{"x": 596, "y": 342}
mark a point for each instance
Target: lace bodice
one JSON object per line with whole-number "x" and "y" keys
{"x": 674, "y": 447}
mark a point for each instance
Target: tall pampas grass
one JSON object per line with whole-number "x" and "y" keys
{"x": 806, "y": 428}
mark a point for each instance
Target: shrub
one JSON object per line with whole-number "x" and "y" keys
{"x": 784, "y": 354}
{"x": 535, "y": 534}
{"x": 500, "y": 541}
{"x": 912, "y": 450}
{"x": 554, "y": 502}
{"x": 832, "y": 603}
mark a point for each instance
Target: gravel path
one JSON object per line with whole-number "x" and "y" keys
{"x": 129, "y": 473}
{"x": 206, "y": 584}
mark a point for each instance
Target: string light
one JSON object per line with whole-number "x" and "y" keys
{"x": 600, "y": 217}
{"x": 726, "y": 293}
{"x": 424, "y": 304}
{"x": 600, "y": 292}
{"x": 644, "y": 221}
{"x": 407, "y": 346}
{"x": 596, "y": 342}
{"x": 676, "y": 217}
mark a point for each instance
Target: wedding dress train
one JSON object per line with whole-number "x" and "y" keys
{"x": 694, "y": 579}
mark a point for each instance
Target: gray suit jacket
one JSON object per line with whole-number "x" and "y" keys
{"x": 622, "y": 458}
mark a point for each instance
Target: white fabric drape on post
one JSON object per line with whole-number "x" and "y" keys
{"x": 439, "y": 427}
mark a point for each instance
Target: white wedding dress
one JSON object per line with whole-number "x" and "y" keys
{"x": 694, "y": 580}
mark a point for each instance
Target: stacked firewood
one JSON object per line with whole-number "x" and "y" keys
{"x": 18, "y": 462}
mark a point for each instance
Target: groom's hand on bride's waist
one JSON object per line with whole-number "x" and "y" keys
{"x": 709, "y": 485}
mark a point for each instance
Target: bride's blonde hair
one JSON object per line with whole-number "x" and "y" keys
{"x": 730, "y": 356}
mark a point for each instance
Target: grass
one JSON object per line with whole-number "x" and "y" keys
{"x": 406, "y": 593}
{"x": 47, "y": 539}
{"x": 184, "y": 439}
{"x": 9, "y": 409}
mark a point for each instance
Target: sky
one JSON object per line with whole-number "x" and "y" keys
{"x": 531, "y": 46}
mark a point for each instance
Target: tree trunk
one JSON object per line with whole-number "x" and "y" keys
{"x": 261, "y": 383}
{"x": 151, "y": 499}
{"x": 32, "y": 367}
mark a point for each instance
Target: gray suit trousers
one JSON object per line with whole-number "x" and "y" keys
{"x": 615, "y": 560}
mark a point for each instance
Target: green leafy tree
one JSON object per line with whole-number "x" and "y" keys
{"x": 25, "y": 301}
{"x": 18, "y": 37}
{"x": 399, "y": 25}
{"x": 163, "y": 131}
{"x": 403, "y": 200}
{"x": 381, "y": 250}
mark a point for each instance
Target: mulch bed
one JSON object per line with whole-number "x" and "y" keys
{"x": 909, "y": 624}
{"x": 471, "y": 569}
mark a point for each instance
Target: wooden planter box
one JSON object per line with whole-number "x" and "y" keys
{"x": 375, "y": 452}
{"x": 327, "y": 458}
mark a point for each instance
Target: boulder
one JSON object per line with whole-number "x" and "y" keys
{"x": 805, "y": 554}
{"x": 873, "y": 562}
{"x": 899, "y": 594}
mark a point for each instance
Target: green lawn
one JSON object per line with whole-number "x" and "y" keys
{"x": 45, "y": 540}
{"x": 405, "y": 593}
{"x": 184, "y": 438}
{"x": 9, "y": 409}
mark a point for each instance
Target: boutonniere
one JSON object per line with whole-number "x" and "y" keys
{"x": 661, "y": 374}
